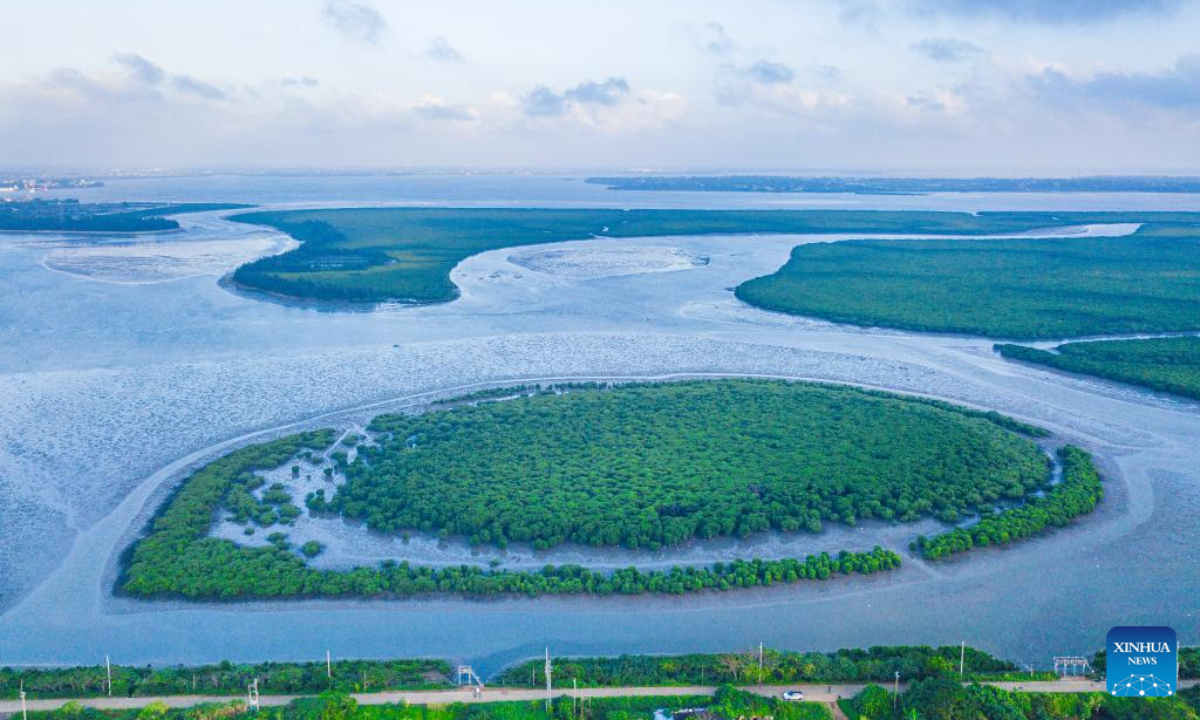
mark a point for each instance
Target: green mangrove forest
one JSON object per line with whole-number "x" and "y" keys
{"x": 1075, "y": 495}
{"x": 1012, "y": 288}
{"x": 1168, "y": 365}
{"x": 406, "y": 254}
{"x": 655, "y": 465}
{"x": 645, "y": 465}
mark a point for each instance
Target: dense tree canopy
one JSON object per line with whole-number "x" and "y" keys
{"x": 1015, "y": 288}
{"x": 1169, "y": 365}
{"x": 1077, "y": 494}
{"x": 654, "y": 465}
{"x": 646, "y": 465}
{"x": 406, "y": 254}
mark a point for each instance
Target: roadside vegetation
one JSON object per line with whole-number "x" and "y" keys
{"x": 226, "y": 678}
{"x": 1013, "y": 288}
{"x": 1077, "y": 494}
{"x": 727, "y": 704}
{"x": 778, "y": 667}
{"x": 946, "y": 698}
{"x": 1169, "y": 365}
{"x": 406, "y": 254}
{"x": 73, "y": 216}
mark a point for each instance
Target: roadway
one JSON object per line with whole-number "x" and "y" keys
{"x": 823, "y": 693}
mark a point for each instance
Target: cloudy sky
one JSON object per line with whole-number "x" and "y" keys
{"x": 1047, "y": 87}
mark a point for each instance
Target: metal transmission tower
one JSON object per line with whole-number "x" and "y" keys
{"x": 549, "y": 683}
{"x": 1071, "y": 665}
{"x": 253, "y": 704}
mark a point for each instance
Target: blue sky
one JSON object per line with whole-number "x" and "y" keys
{"x": 964, "y": 87}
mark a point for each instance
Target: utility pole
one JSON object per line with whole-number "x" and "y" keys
{"x": 574, "y": 694}
{"x": 896, "y": 690}
{"x": 108, "y": 672}
{"x": 329, "y": 667}
{"x": 962, "y": 656}
{"x": 24, "y": 710}
{"x": 549, "y": 684}
{"x": 254, "y": 695}
{"x": 760, "y": 663}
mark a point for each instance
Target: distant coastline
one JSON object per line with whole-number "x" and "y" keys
{"x": 897, "y": 185}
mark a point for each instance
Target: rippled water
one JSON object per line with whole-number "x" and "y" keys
{"x": 128, "y": 364}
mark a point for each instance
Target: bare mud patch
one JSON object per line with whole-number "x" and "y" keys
{"x": 156, "y": 261}
{"x": 584, "y": 263}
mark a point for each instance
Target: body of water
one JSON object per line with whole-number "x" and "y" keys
{"x": 128, "y": 364}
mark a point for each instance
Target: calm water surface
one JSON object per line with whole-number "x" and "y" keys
{"x": 127, "y": 364}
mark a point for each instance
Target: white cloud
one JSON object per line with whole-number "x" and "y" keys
{"x": 355, "y": 20}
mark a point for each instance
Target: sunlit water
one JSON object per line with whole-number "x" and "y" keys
{"x": 127, "y": 364}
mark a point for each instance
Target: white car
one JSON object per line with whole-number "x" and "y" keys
{"x": 793, "y": 695}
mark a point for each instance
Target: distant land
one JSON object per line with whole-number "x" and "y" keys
{"x": 406, "y": 254}
{"x": 898, "y": 185}
{"x": 73, "y": 216}
{"x": 36, "y": 184}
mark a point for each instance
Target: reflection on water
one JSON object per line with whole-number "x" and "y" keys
{"x": 116, "y": 389}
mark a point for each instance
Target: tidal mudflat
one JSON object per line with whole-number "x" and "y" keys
{"x": 118, "y": 389}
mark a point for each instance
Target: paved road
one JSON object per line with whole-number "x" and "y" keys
{"x": 817, "y": 693}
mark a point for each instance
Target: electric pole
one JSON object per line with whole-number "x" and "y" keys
{"x": 574, "y": 695}
{"x": 896, "y": 690}
{"x": 108, "y": 673}
{"x": 24, "y": 710}
{"x": 760, "y": 663}
{"x": 549, "y": 684}
{"x": 962, "y": 656}
{"x": 254, "y": 695}
{"x": 329, "y": 667}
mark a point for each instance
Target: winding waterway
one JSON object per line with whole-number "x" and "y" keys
{"x": 129, "y": 365}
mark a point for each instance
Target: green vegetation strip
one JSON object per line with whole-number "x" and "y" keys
{"x": 946, "y": 698}
{"x": 1170, "y": 365}
{"x": 875, "y": 664}
{"x": 406, "y": 254}
{"x": 728, "y": 704}
{"x": 1012, "y": 288}
{"x": 778, "y": 667}
{"x": 71, "y": 216}
{"x": 1077, "y": 494}
{"x": 226, "y": 678}
{"x": 655, "y": 465}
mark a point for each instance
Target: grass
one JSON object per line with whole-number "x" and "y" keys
{"x": 1012, "y": 288}
{"x": 406, "y": 254}
{"x": 1170, "y": 365}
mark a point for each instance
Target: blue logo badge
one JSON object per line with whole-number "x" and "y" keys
{"x": 1141, "y": 661}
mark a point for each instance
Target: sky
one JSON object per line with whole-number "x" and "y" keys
{"x": 917, "y": 87}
